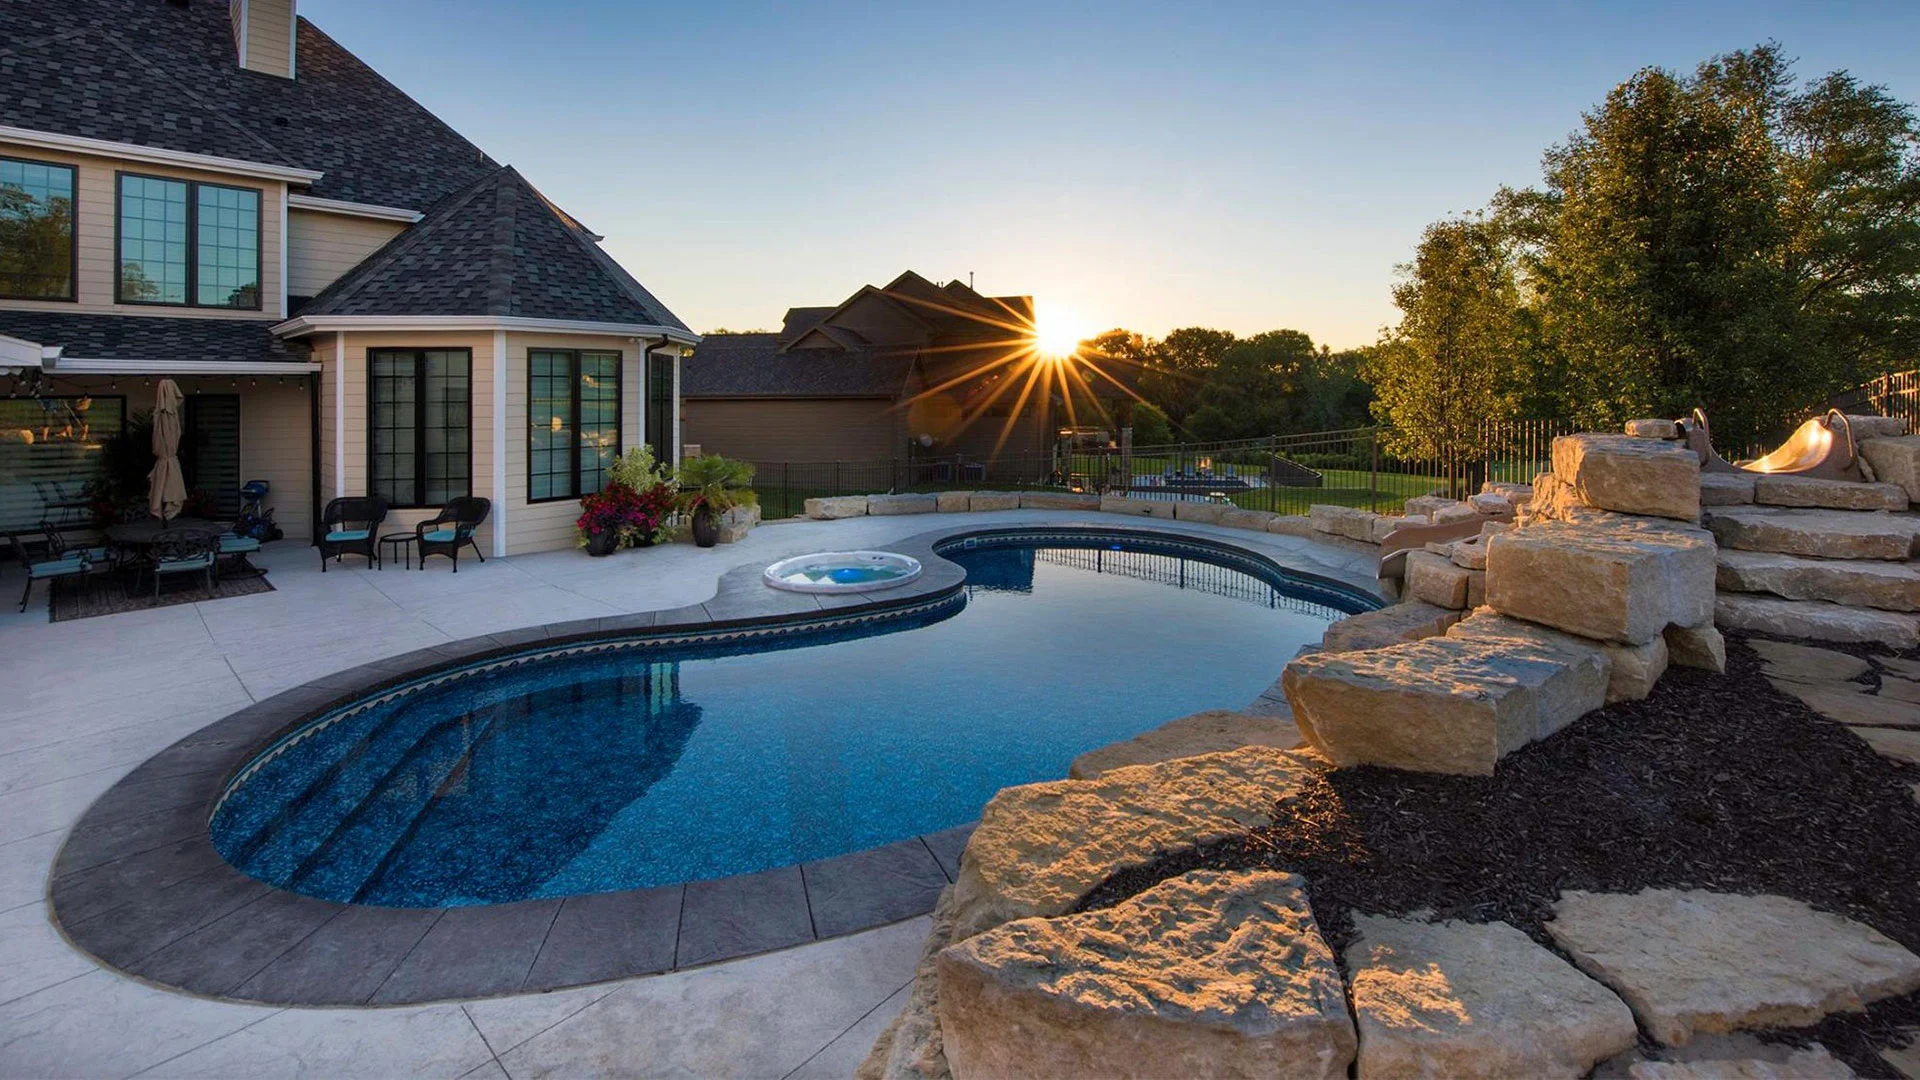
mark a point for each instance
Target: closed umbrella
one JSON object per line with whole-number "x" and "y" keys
{"x": 166, "y": 488}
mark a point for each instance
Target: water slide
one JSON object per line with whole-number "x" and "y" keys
{"x": 1822, "y": 447}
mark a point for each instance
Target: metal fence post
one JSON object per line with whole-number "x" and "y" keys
{"x": 1373, "y": 471}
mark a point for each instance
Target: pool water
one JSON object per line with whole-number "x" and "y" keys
{"x": 625, "y": 769}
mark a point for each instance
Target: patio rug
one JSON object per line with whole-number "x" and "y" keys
{"x": 83, "y": 599}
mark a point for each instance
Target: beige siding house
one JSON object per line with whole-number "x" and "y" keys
{"x": 314, "y": 259}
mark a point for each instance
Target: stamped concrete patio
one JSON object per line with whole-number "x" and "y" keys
{"x": 88, "y": 700}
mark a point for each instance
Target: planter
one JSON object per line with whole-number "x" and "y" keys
{"x": 706, "y": 528}
{"x": 601, "y": 542}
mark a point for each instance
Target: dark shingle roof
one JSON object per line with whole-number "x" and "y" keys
{"x": 145, "y": 337}
{"x": 155, "y": 74}
{"x": 752, "y": 365}
{"x": 495, "y": 247}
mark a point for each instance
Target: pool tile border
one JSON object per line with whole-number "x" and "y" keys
{"x": 138, "y": 885}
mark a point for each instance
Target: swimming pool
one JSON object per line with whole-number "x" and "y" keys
{"x": 575, "y": 771}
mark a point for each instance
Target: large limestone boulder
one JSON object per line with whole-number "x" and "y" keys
{"x": 1434, "y": 579}
{"x": 1895, "y": 461}
{"x": 834, "y": 507}
{"x": 1206, "y": 513}
{"x": 1694, "y": 961}
{"x": 1873, "y": 583}
{"x": 1553, "y": 500}
{"x": 1624, "y": 579}
{"x": 910, "y": 1047}
{"x": 1347, "y": 521}
{"x": 1441, "y": 705}
{"x": 1253, "y": 520}
{"x": 1808, "y": 491}
{"x": 1409, "y": 620}
{"x": 1815, "y": 620}
{"x": 1120, "y": 504}
{"x": 890, "y": 505}
{"x": 1202, "y": 733}
{"x": 1876, "y": 427}
{"x": 953, "y": 502}
{"x": 1290, "y": 525}
{"x": 1632, "y": 670}
{"x": 1040, "y": 847}
{"x": 1823, "y": 534}
{"x": 993, "y": 500}
{"x": 1653, "y": 429}
{"x": 1702, "y": 647}
{"x": 1209, "y": 974}
{"x": 1458, "y": 1000}
{"x": 1726, "y": 489}
{"x": 1058, "y": 500}
{"x": 1630, "y": 475}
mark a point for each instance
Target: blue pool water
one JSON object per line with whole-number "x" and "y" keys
{"x": 629, "y": 768}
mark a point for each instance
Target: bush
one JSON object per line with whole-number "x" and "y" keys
{"x": 637, "y": 516}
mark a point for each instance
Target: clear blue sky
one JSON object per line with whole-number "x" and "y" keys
{"x": 1245, "y": 166}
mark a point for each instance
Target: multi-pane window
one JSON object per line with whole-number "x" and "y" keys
{"x": 36, "y": 230}
{"x": 419, "y": 425}
{"x": 660, "y": 405}
{"x": 188, "y": 243}
{"x": 573, "y": 415}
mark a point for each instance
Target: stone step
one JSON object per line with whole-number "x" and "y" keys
{"x": 1632, "y": 670}
{"x": 1395, "y": 624}
{"x": 1815, "y": 619}
{"x": 1872, "y": 583}
{"x": 1822, "y": 534}
{"x": 1441, "y": 705}
{"x": 1807, "y": 491}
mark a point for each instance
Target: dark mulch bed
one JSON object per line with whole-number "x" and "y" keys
{"x": 1714, "y": 782}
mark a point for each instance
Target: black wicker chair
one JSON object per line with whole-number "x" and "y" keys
{"x": 351, "y": 526}
{"x": 452, "y": 528}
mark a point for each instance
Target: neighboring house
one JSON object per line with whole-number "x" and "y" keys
{"x": 354, "y": 298}
{"x": 909, "y": 369}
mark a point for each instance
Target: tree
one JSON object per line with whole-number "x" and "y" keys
{"x": 1254, "y": 389}
{"x": 1333, "y": 396}
{"x": 1177, "y": 365}
{"x": 1150, "y": 426}
{"x": 1448, "y": 366}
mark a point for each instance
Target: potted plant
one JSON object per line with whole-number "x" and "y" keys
{"x": 602, "y": 515}
{"x": 631, "y": 510}
{"x": 711, "y": 485}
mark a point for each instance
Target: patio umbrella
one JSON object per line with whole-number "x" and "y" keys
{"x": 166, "y": 488}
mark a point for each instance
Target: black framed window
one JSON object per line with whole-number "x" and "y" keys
{"x": 660, "y": 406}
{"x": 188, "y": 244}
{"x": 419, "y": 425}
{"x": 573, "y": 421}
{"x": 36, "y": 230}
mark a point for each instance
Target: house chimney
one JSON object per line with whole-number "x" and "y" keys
{"x": 264, "y": 35}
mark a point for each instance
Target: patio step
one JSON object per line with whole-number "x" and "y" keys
{"x": 1873, "y": 583}
{"x": 1821, "y": 534}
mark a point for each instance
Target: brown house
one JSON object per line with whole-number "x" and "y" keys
{"x": 909, "y": 370}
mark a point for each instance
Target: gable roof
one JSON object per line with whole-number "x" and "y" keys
{"x": 164, "y": 75}
{"x": 753, "y": 365}
{"x": 495, "y": 247}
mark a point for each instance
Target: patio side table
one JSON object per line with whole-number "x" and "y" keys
{"x": 399, "y": 543}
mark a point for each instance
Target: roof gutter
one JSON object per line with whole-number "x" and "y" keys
{"x": 76, "y": 144}
{"x": 73, "y": 365}
{"x": 354, "y": 209}
{"x": 308, "y": 324}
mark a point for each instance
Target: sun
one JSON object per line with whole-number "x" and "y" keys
{"x": 1058, "y": 333}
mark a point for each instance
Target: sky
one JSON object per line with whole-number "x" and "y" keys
{"x": 1241, "y": 166}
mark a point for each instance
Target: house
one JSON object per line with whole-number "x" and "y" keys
{"x": 354, "y": 298}
{"x": 908, "y": 369}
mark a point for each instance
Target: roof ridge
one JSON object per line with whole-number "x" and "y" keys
{"x": 502, "y": 275}
{"x": 187, "y": 90}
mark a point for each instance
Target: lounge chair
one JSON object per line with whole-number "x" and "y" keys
{"x": 61, "y": 565}
{"x": 182, "y": 551}
{"x": 452, "y": 528}
{"x": 351, "y": 526}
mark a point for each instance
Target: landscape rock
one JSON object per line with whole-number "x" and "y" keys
{"x": 1434, "y": 580}
{"x": 1255, "y": 520}
{"x": 892, "y": 505}
{"x": 1874, "y": 583}
{"x": 1426, "y": 504}
{"x": 1347, "y": 521}
{"x": 1808, "y": 491}
{"x": 953, "y": 502}
{"x": 1726, "y": 489}
{"x": 1849, "y": 703}
{"x": 1804, "y": 663}
{"x": 1120, "y": 504}
{"x": 1895, "y": 461}
{"x": 835, "y": 507}
{"x": 736, "y": 523}
{"x": 1058, "y": 500}
{"x": 1824, "y": 534}
{"x": 1206, "y": 513}
{"x": 1453, "y": 512}
{"x": 1653, "y": 429}
{"x": 1629, "y": 475}
{"x": 1440, "y": 705}
{"x": 1470, "y": 555}
{"x": 1632, "y": 670}
{"x": 1553, "y": 500}
{"x": 1207, "y": 974}
{"x": 1290, "y": 525}
{"x": 1703, "y": 647}
{"x": 1899, "y": 744}
{"x": 1624, "y": 580}
{"x": 1202, "y": 733}
{"x": 1815, "y": 621}
{"x": 1408, "y": 620}
{"x": 1040, "y": 847}
{"x": 1453, "y": 999}
{"x": 1490, "y": 505}
{"x": 1876, "y": 427}
{"x": 1694, "y": 961}
{"x": 1517, "y": 495}
{"x": 993, "y": 500}
{"x": 1812, "y": 1063}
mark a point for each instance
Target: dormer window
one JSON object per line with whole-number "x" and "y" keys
{"x": 36, "y": 230}
{"x": 188, "y": 244}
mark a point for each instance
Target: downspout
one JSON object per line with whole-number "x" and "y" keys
{"x": 499, "y": 443}
{"x": 313, "y": 455}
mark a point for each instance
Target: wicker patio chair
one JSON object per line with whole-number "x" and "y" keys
{"x": 452, "y": 528}
{"x": 351, "y": 526}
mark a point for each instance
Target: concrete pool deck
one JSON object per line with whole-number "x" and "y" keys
{"x": 89, "y": 700}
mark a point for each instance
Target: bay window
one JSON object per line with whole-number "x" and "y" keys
{"x": 573, "y": 417}
{"x": 419, "y": 425}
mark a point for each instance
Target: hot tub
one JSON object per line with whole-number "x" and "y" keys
{"x": 842, "y": 572}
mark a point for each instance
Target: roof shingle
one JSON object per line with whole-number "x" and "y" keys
{"x": 752, "y": 365}
{"x": 152, "y": 337}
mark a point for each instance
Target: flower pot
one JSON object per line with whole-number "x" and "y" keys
{"x": 601, "y": 542}
{"x": 706, "y": 528}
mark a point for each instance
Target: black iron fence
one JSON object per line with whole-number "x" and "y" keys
{"x": 1894, "y": 394}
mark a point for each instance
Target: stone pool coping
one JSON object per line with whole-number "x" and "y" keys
{"x": 138, "y": 885}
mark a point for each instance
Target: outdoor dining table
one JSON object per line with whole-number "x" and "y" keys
{"x": 139, "y": 534}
